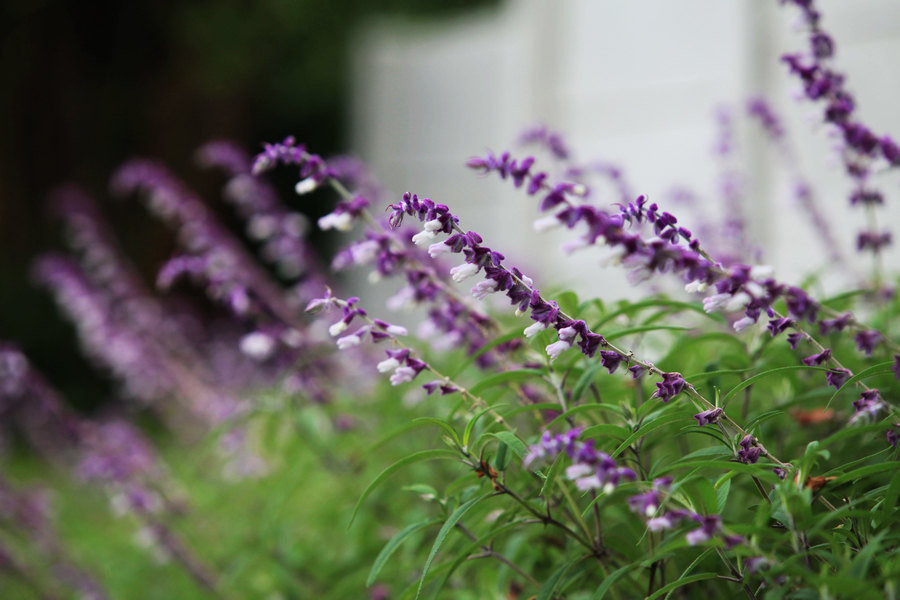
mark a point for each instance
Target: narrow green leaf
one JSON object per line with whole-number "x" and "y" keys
{"x": 608, "y": 431}
{"x": 609, "y": 580}
{"x": 643, "y": 329}
{"x": 504, "y": 377}
{"x": 552, "y": 474}
{"x": 763, "y": 375}
{"x": 575, "y": 410}
{"x": 585, "y": 380}
{"x": 680, "y": 582}
{"x": 451, "y": 522}
{"x": 502, "y": 458}
{"x": 865, "y": 472}
{"x": 723, "y": 487}
{"x": 889, "y": 504}
{"x": 552, "y": 582}
{"x": 879, "y": 369}
{"x": 443, "y": 425}
{"x": 517, "y": 333}
{"x": 511, "y": 440}
{"x": 467, "y": 434}
{"x": 424, "y": 455}
{"x": 393, "y": 544}
{"x": 645, "y": 429}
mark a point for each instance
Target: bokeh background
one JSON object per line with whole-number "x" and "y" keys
{"x": 87, "y": 85}
{"x": 415, "y": 87}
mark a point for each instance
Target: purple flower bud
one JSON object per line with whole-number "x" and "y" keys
{"x": 837, "y": 377}
{"x": 867, "y": 340}
{"x": 671, "y": 385}
{"x": 710, "y": 416}
{"x": 817, "y": 359}
{"x": 611, "y": 360}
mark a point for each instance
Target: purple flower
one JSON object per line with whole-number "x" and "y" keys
{"x": 837, "y": 377}
{"x": 671, "y": 385}
{"x": 611, "y": 360}
{"x": 866, "y": 340}
{"x": 893, "y": 435}
{"x": 777, "y": 326}
{"x": 749, "y": 452}
{"x": 709, "y": 524}
{"x": 709, "y": 416}
{"x": 867, "y": 406}
{"x": 896, "y": 366}
{"x": 754, "y": 563}
{"x": 817, "y": 359}
{"x": 794, "y": 339}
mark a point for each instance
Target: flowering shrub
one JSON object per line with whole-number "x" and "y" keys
{"x": 738, "y": 439}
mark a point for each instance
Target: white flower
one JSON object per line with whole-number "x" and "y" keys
{"x": 423, "y": 237}
{"x": 305, "y": 186}
{"x": 738, "y": 302}
{"x": 761, "y": 271}
{"x": 659, "y": 523}
{"x": 651, "y": 508}
{"x": 389, "y": 364}
{"x": 577, "y": 244}
{"x": 364, "y": 252}
{"x": 534, "y": 329}
{"x": 341, "y": 222}
{"x": 578, "y": 470}
{"x": 403, "y": 375}
{"x": 397, "y": 330}
{"x": 546, "y": 223}
{"x": 742, "y": 324}
{"x": 567, "y": 333}
{"x": 711, "y": 303}
{"x": 557, "y": 348}
{"x": 591, "y": 482}
{"x": 483, "y": 288}
{"x": 257, "y": 345}
{"x": 348, "y": 341}
{"x": 337, "y": 328}
{"x": 433, "y": 225}
{"x": 436, "y": 250}
{"x": 462, "y": 272}
{"x": 695, "y": 286}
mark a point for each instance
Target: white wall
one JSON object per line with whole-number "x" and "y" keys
{"x": 636, "y": 83}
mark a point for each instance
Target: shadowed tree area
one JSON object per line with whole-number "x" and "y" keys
{"x": 88, "y": 85}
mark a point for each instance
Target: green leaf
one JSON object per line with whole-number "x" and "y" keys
{"x": 865, "y": 472}
{"x": 424, "y": 455}
{"x": 645, "y": 429}
{"x": 504, "y": 377}
{"x": 442, "y": 424}
{"x": 575, "y": 410}
{"x": 502, "y": 458}
{"x": 552, "y": 474}
{"x": 553, "y": 581}
{"x": 451, "y": 522}
{"x": 680, "y": 582}
{"x": 467, "y": 434}
{"x": 511, "y": 440}
{"x": 517, "y": 333}
{"x": 889, "y": 504}
{"x": 723, "y": 487}
{"x": 393, "y": 544}
{"x": 763, "y": 375}
{"x": 613, "y": 431}
{"x": 585, "y": 380}
{"x": 609, "y": 580}
{"x": 642, "y": 329}
{"x": 878, "y": 369}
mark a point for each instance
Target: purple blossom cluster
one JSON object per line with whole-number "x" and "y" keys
{"x": 737, "y": 288}
{"x": 860, "y": 147}
{"x": 590, "y": 468}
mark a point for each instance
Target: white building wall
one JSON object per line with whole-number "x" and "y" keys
{"x": 632, "y": 82}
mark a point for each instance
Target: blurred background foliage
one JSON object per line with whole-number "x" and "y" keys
{"x": 86, "y": 85}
